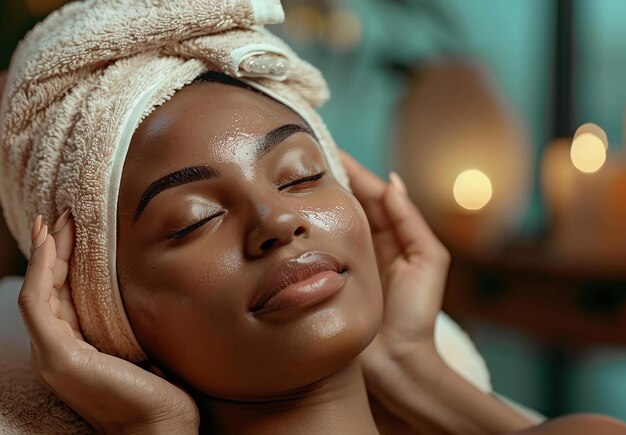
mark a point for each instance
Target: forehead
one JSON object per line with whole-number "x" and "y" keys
{"x": 206, "y": 118}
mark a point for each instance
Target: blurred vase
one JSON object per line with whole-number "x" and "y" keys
{"x": 454, "y": 119}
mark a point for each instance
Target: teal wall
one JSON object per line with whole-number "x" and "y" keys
{"x": 596, "y": 382}
{"x": 601, "y": 66}
{"x": 514, "y": 39}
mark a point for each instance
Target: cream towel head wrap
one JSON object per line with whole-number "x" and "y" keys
{"x": 78, "y": 87}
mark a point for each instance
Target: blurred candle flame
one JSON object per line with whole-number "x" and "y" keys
{"x": 588, "y": 150}
{"x": 472, "y": 189}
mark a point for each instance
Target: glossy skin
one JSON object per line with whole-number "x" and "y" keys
{"x": 188, "y": 300}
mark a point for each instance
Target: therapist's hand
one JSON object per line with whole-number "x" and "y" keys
{"x": 412, "y": 262}
{"x": 113, "y": 395}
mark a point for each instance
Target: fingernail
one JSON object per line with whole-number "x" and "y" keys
{"x": 36, "y": 227}
{"x": 41, "y": 237}
{"x": 61, "y": 221}
{"x": 397, "y": 182}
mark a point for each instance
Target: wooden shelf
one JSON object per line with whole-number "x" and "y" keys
{"x": 564, "y": 302}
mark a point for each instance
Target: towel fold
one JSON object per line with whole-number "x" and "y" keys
{"x": 79, "y": 85}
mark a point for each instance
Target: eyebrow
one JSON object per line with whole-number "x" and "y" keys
{"x": 191, "y": 174}
{"x": 266, "y": 143}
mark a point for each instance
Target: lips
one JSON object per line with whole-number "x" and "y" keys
{"x": 304, "y": 280}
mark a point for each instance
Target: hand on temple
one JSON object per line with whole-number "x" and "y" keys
{"x": 403, "y": 371}
{"x": 113, "y": 395}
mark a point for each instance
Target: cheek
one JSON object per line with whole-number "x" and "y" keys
{"x": 334, "y": 220}
{"x": 188, "y": 315}
{"x": 340, "y": 215}
{"x": 194, "y": 281}
{"x": 178, "y": 293}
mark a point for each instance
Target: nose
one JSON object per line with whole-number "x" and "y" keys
{"x": 272, "y": 225}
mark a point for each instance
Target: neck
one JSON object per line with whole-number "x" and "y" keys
{"x": 335, "y": 405}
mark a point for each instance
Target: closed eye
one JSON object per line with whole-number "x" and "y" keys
{"x": 186, "y": 230}
{"x": 179, "y": 234}
{"x": 302, "y": 180}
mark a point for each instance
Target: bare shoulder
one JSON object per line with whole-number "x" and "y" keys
{"x": 579, "y": 424}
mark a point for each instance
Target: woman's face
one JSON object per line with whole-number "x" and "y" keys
{"x": 202, "y": 253}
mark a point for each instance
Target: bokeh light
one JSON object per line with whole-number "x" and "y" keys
{"x": 588, "y": 152}
{"x": 472, "y": 189}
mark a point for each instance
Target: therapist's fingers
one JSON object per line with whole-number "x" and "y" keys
{"x": 64, "y": 238}
{"x": 36, "y": 291}
{"x": 35, "y": 295}
{"x": 63, "y": 234}
{"x": 36, "y": 227}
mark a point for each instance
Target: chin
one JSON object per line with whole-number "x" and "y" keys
{"x": 324, "y": 342}
{"x": 333, "y": 342}
{"x": 329, "y": 336}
